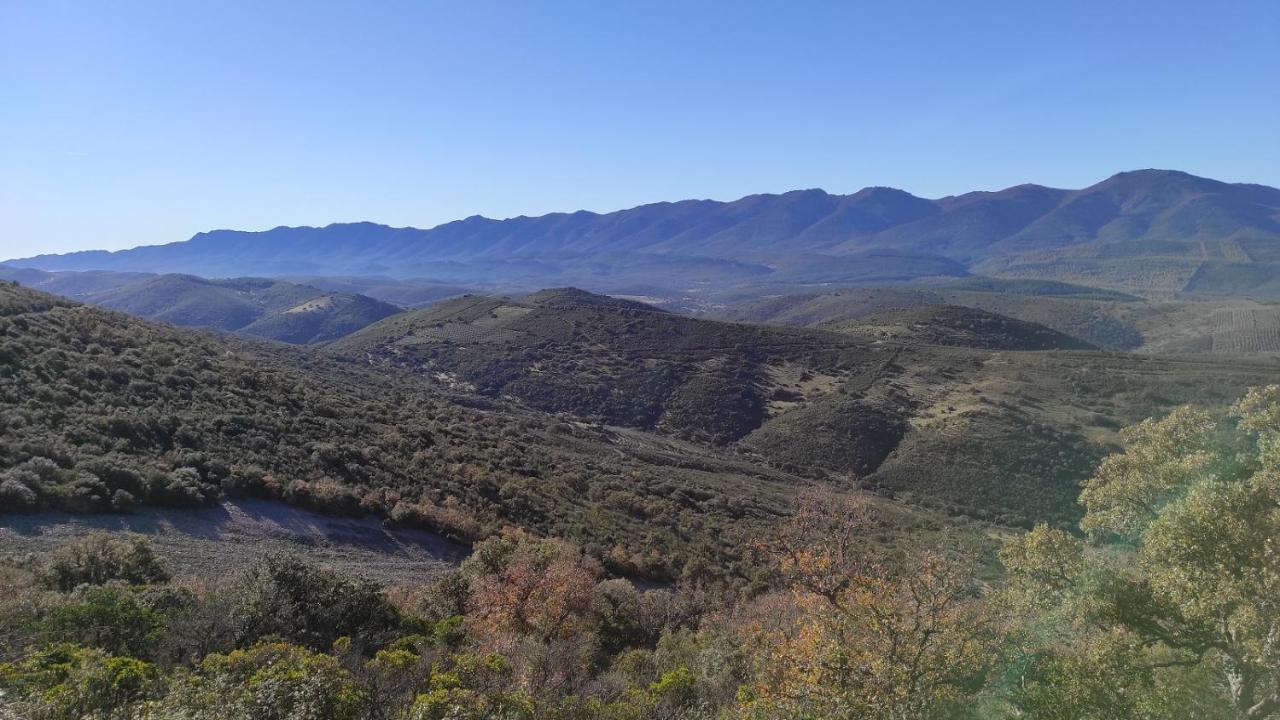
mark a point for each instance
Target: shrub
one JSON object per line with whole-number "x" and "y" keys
{"x": 106, "y": 617}
{"x": 182, "y": 488}
{"x": 15, "y": 496}
{"x": 65, "y": 681}
{"x": 311, "y": 606}
{"x": 101, "y": 558}
{"x": 267, "y": 680}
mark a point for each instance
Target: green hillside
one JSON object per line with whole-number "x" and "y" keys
{"x": 1103, "y": 323}
{"x": 101, "y": 411}
{"x": 411, "y": 292}
{"x": 607, "y": 360}
{"x": 985, "y": 428}
{"x": 1217, "y": 326}
{"x": 71, "y": 284}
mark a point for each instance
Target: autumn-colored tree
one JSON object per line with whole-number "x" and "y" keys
{"x": 539, "y": 588}
{"x": 862, "y": 634}
{"x": 532, "y": 601}
{"x": 1180, "y": 573}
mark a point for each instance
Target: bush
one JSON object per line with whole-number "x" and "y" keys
{"x": 65, "y": 681}
{"x": 101, "y": 558}
{"x": 106, "y": 617}
{"x": 15, "y": 496}
{"x": 311, "y": 606}
{"x": 268, "y": 681}
{"x": 182, "y": 488}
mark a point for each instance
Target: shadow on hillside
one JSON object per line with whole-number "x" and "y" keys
{"x": 249, "y": 519}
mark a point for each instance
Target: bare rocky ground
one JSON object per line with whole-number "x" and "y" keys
{"x": 223, "y": 539}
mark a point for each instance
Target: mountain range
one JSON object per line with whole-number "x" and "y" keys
{"x": 1148, "y": 231}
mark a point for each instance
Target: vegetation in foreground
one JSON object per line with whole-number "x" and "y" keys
{"x": 1166, "y": 605}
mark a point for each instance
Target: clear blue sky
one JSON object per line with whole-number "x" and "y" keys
{"x": 129, "y": 123}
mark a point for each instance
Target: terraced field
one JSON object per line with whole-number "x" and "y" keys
{"x": 1248, "y": 330}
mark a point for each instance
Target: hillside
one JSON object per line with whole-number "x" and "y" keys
{"x": 410, "y": 292}
{"x": 1225, "y": 326}
{"x": 1152, "y": 231}
{"x": 441, "y": 412}
{"x": 101, "y": 411}
{"x": 71, "y": 284}
{"x": 1095, "y": 322}
{"x": 959, "y": 327}
{"x": 608, "y": 360}
{"x": 263, "y": 308}
{"x": 978, "y": 429}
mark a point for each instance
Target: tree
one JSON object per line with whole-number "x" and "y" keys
{"x": 862, "y": 634}
{"x": 533, "y": 601}
{"x": 1181, "y": 564}
{"x": 108, "y": 617}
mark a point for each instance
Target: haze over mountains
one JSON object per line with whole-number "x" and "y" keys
{"x": 1149, "y": 231}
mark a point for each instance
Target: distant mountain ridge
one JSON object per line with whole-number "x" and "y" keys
{"x": 1147, "y": 230}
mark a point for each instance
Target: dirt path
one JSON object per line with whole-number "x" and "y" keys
{"x": 216, "y": 541}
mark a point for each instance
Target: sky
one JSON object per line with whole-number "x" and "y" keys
{"x": 137, "y": 123}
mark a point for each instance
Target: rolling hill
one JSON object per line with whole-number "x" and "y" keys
{"x": 410, "y": 293}
{"x": 71, "y": 284}
{"x": 1097, "y": 322}
{"x": 272, "y": 309}
{"x": 100, "y": 411}
{"x": 1221, "y": 326}
{"x": 960, "y": 327}
{"x": 607, "y": 360}
{"x": 1152, "y": 231}
{"x": 960, "y": 412}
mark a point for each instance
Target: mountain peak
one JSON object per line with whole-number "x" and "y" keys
{"x": 1154, "y": 178}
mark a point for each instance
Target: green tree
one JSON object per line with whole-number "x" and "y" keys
{"x": 266, "y": 681}
{"x": 109, "y": 617}
{"x": 1179, "y": 574}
